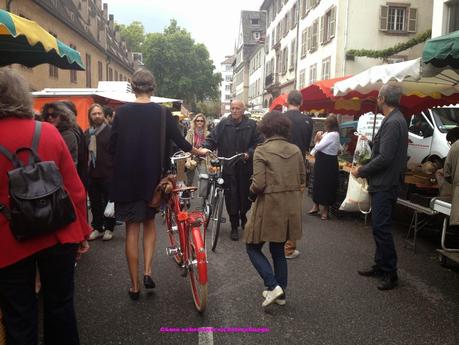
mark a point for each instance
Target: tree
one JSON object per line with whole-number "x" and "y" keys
{"x": 134, "y": 34}
{"x": 182, "y": 68}
{"x": 209, "y": 108}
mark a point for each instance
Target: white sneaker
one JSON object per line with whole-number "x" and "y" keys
{"x": 294, "y": 254}
{"x": 278, "y": 301}
{"x": 108, "y": 235}
{"x": 272, "y": 295}
{"x": 95, "y": 234}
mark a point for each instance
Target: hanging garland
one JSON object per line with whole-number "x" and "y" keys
{"x": 385, "y": 53}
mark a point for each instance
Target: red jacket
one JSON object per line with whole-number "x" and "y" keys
{"x": 15, "y": 133}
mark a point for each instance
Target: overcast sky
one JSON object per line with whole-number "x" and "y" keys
{"x": 212, "y": 22}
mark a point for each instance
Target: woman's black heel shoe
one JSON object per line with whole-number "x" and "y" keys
{"x": 134, "y": 295}
{"x": 148, "y": 282}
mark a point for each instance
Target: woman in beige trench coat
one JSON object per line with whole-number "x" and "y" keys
{"x": 278, "y": 180}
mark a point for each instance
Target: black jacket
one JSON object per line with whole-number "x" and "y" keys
{"x": 230, "y": 138}
{"x": 387, "y": 166}
{"x": 104, "y": 164}
{"x": 301, "y": 130}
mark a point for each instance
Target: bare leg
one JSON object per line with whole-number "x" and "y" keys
{"x": 149, "y": 244}
{"x": 132, "y": 253}
{"x": 314, "y": 208}
{"x": 324, "y": 213}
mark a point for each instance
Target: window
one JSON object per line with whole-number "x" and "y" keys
{"x": 116, "y": 75}
{"x": 228, "y": 78}
{"x": 227, "y": 87}
{"x": 313, "y": 73}
{"x": 292, "y": 54}
{"x": 254, "y": 21}
{"x": 399, "y": 19}
{"x": 314, "y": 36}
{"x": 420, "y": 126}
{"x": 302, "y": 78}
{"x": 228, "y": 97}
{"x": 284, "y": 60}
{"x": 304, "y": 42}
{"x": 73, "y": 73}
{"x": 88, "y": 70}
{"x": 53, "y": 70}
{"x": 293, "y": 16}
{"x": 256, "y": 35}
{"x": 99, "y": 71}
{"x": 110, "y": 74}
{"x": 327, "y": 25}
{"x": 326, "y": 68}
{"x": 453, "y": 16}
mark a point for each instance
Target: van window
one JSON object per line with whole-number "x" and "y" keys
{"x": 420, "y": 126}
{"x": 446, "y": 118}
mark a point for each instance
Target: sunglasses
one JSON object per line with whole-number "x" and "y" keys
{"x": 53, "y": 115}
{"x": 199, "y": 121}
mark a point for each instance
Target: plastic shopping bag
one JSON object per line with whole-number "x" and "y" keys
{"x": 362, "y": 153}
{"x": 357, "y": 196}
{"x": 110, "y": 210}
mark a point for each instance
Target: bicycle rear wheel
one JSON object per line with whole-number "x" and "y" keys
{"x": 215, "y": 219}
{"x": 173, "y": 235}
{"x": 198, "y": 269}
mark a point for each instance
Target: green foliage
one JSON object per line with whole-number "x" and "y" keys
{"x": 209, "y": 108}
{"x": 385, "y": 53}
{"x": 182, "y": 68}
{"x": 134, "y": 34}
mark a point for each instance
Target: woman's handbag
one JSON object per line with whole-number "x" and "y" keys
{"x": 110, "y": 210}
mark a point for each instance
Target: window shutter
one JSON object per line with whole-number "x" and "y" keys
{"x": 332, "y": 24}
{"x": 309, "y": 40}
{"x": 322, "y": 29}
{"x": 304, "y": 43}
{"x": 412, "y": 20}
{"x": 383, "y": 18}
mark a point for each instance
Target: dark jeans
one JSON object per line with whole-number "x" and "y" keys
{"x": 98, "y": 190}
{"x": 382, "y": 208}
{"x": 263, "y": 267}
{"x": 237, "y": 196}
{"x": 19, "y": 303}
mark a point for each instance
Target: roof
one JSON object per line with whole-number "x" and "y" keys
{"x": 229, "y": 60}
{"x": 265, "y": 4}
{"x": 248, "y": 28}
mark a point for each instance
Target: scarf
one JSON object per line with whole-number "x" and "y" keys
{"x": 199, "y": 137}
{"x": 92, "y": 147}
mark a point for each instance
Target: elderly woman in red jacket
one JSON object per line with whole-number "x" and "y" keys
{"x": 53, "y": 253}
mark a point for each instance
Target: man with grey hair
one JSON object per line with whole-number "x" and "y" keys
{"x": 236, "y": 134}
{"x": 300, "y": 135}
{"x": 385, "y": 173}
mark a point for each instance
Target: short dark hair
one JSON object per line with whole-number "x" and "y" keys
{"x": 275, "y": 123}
{"x": 108, "y": 112}
{"x": 331, "y": 123}
{"x": 15, "y": 98}
{"x": 453, "y": 135}
{"x": 295, "y": 98}
{"x": 391, "y": 93}
{"x": 143, "y": 81}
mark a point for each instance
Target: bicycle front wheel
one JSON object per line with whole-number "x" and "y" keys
{"x": 216, "y": 218}
{"x": 198, "y": 269}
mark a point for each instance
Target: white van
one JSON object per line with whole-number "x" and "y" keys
{"x": 427, "y": 134}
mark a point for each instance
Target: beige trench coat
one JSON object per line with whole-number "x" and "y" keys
{"x": 278, "y": 180}
{"x": 451, "y": 172}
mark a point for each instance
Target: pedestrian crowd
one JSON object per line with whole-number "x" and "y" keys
{"x": 121, "y": 158}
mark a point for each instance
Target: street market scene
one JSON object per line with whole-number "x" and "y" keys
{"x": 244, "y": 172}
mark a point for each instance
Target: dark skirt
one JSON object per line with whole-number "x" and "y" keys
{"x": 134, "y": 212}
{"x": 326, "y": 177}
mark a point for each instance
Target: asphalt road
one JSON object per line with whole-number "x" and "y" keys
{"x": 328, "y": 303}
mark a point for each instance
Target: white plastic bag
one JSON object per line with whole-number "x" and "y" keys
{"x": 362, "y": 153}
{"x": 110, "y": 210}
{"x": 357, "y": 196}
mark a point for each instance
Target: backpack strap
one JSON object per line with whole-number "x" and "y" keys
{"x": 162, "y": 137}
{"x": 6, "y": 153}
{"x": 35, "y": 141}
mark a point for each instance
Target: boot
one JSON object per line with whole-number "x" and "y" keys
{"x": 373, "y": 271}
{"x": 234, "y": 233}
{"x": 389, "y": 282}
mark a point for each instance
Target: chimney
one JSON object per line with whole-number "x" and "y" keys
{"x": 111, "y": 22}
{"x": 99, "y": 4}
{"x": 105, "y": 10}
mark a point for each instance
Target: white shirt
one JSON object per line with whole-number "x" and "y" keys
{"x": 329, "y": 144}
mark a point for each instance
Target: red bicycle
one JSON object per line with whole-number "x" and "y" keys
{"x": 187, "y": 231}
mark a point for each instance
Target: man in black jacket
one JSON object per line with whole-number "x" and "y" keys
{"x": 236, "y": 134}
{"x": 385, "y": 173}
{"x": 300, "y": 135}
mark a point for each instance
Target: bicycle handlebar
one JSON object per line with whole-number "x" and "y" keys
{"x": 180, "y": 155}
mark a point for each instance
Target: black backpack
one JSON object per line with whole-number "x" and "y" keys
{"x": 38, "y": 201}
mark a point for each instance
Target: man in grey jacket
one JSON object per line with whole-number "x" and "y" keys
{"x": 385, "y": 173}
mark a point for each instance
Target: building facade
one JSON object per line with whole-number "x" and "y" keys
{"x": 252, "y": 31}
{"x": 256, "y": 79}
{"x": 84, "y": 25}
{"x": 226, "y": 70}
{"x": 445, "y": 17}
{"x": 308, "y": 40}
